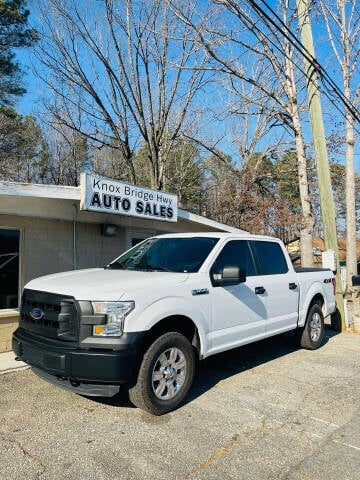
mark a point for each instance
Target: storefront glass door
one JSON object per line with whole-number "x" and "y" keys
{"x": 9, "y": 268}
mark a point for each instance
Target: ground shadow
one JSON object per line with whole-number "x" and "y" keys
{"x": 224, "y": 365}
{"x": 121, "y": 399}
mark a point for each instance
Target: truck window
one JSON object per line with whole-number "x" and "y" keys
{"x": 237, "y": 253}
{"x": 167, "y": 254}
{"x": 270, "y": 256}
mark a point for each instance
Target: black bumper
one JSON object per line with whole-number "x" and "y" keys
{"x": 93, "y": 366}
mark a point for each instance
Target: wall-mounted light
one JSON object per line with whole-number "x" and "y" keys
{"x": 109, "y": 230}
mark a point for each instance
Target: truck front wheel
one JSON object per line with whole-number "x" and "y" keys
{"x": 313, "y": 332}
{"x": 165, "y": 375}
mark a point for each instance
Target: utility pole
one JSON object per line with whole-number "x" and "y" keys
{"x": 322, "y": 163}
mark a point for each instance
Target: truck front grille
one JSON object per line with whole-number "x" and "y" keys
{"x": 49, "y": 315}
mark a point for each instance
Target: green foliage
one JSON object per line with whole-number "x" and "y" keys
{"x": 184, "y": 174}
{"x": 286, "y": 176}
{"x": 338, "y": 175}
{"x": 20, "y": 147}
{"x": 14, "y": 33}
{"x": 27, "y": 156}
{"x": 141, "y": 165}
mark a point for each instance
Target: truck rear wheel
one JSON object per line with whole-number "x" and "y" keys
{"x": 313, "y": 332}
{"x": 165, "y": 375}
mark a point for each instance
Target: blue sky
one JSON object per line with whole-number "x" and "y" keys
{"x": 30, "y": 103}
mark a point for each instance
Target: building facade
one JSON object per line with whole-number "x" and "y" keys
{"x": 43, "y": 230}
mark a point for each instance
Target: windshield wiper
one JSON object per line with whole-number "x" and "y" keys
{"x": 115, "y": 266}
{"x": 155, "y": 268}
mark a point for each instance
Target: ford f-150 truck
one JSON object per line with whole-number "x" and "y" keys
{"x": 144, "y": 320}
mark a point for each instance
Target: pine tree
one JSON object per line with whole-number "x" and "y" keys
{"x": 14, "y": 33}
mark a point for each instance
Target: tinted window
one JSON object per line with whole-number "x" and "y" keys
{"x": 9, "y": 268}
{"x": 167, "y": 254}
{"x": 236, "y": 253}
{"x": 271, "y": 257}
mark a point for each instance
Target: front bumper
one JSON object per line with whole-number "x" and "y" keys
{"x": 96, "y": 366}
{"x": 81, "y": 388}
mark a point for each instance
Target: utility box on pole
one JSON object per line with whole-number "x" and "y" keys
{"x": 356, "y": 303}
{"x": 329, "y": 260}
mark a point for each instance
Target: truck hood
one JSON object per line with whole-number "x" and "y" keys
{"x": 103, "y": 284}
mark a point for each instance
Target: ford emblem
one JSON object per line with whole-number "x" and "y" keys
{"x": 36, "y": 313}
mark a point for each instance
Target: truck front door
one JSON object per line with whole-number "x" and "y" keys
{"x": 238, "y": 311}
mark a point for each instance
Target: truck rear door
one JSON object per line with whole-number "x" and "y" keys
{"x": 280, "y": 284}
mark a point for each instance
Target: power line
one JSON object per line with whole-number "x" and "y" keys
{"x": 297, "y": 44}
{"x": 300, "y": 47}
{"x": 310, "y": 59}
{"x": 323, "y": 73}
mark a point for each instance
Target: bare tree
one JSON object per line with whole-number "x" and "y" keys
{"x": 105, "y": 161}
{"x": 255, "y": 118}
{"x": 262, "y": 197}
{"x": 342, "y": 20}
{"x": 261, "y": 142}
{"x": 65, "y": 154}
{"x": 131, "y": 68}
{"x": 253, "y": 40}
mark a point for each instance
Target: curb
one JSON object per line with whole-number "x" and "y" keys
{"x": 15, "y": 369}
{"x": 9, "y": 364}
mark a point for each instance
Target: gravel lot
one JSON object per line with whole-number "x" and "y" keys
{"x": 265, "y": 411}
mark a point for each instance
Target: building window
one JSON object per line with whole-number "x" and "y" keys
{"x": 137, "y": 235}
{"x": 9, "y": 268}
{"x": 135, "y": 241}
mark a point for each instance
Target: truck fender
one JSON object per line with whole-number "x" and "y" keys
{"x": 168, "y": 307}
{"x": 304, "y": 305}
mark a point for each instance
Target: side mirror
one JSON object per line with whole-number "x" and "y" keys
{"x": 231, "y": 276}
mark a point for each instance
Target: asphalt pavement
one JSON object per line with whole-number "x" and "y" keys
{"x": 266, "y": 411}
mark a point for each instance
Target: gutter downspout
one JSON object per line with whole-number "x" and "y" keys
{"x": 75, "y": 239}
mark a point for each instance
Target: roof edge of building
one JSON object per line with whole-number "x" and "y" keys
{"x": 64, "y": 192}
{"x": 39, "y": 190}
{"x": 193, "y": 217}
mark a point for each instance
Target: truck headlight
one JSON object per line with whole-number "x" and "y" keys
{"x": 116, "y": 313}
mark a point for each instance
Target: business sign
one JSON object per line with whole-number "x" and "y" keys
{"x": 100, "y": 194}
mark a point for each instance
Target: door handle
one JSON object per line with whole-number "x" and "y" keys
{"x": 259, "y": 290}
{"x": 292, "y": 286}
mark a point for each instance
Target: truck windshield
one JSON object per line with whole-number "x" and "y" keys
{"x": 167, "y": 255}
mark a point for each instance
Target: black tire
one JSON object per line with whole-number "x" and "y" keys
{"x": 165, "y": 375}
{"x": 312, "y": 335}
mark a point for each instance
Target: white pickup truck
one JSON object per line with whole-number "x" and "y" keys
{"x": 145, "y": 319}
